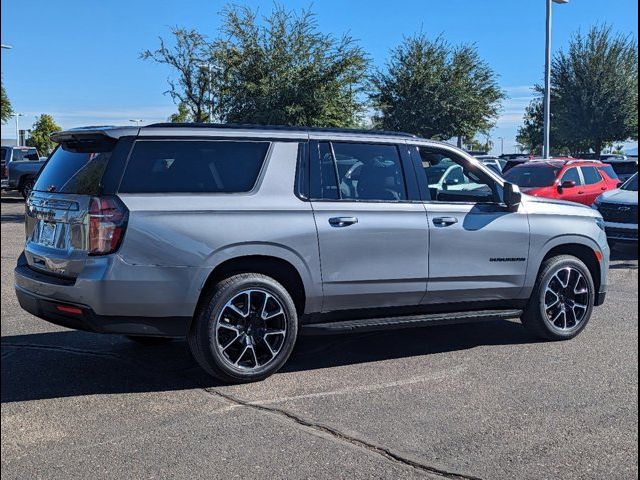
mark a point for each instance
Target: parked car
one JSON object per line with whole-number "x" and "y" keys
{"x": 496, "y": 163}
{"x": 19, "y": 168}
{"x": 580, "y": 181}
{"x": 619, "y": 208}
{"x": 625, "y": 167}
{"x": 241, "y": 238}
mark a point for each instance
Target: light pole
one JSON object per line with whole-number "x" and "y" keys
{"x": 546, "y": 151}
{"x": 210, "y": 68}
{"x": 8, "y": 47}
{"x": 136, "y": 121}
{"x": 18, "y": 115}
{"x": 501, "y": 145}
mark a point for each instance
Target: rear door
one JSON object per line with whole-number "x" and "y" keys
{"x": 57, "y": 211}
{"x": 594, "y": 184}
{"x": 373, "y": 235}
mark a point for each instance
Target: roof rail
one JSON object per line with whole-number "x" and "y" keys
{"x": 278, "y": 128}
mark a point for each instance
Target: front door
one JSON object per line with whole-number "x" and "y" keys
{"x": 373, "y": 240}
{"x": 478, "y": 249}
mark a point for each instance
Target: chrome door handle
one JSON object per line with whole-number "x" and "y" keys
{"x": 445, "y": 221}
{"x": 342, "y": 221}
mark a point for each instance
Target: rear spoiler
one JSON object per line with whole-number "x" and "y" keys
{"x": 88, "y": 134}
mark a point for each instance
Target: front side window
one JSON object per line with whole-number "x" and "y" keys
{"x": 449, "y": 180}
{"x": 361, "y": 172}
{"x": 632, "y": 184}
{"x": 591, "y": 175}
{"x": 193, "y": 166}
{"x": 532, "y": 176}
{"x": 572, "y": 175}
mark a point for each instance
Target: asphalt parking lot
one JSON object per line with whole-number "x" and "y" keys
{"x": 464, "y": 401}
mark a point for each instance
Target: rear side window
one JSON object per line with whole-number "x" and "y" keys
{"x": 4, "y": 154}
{"x": 72, "y": 171}
{"x": 361, "y": 172}
{"x": 591, "y": 175}
{"x": 179, "y": 166}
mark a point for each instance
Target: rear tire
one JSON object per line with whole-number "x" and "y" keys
{"x": 27, "y": 186}
{"x": 245, "y": 328}
{"x": 149, "y": 341}
{"x": 562, "y": 300}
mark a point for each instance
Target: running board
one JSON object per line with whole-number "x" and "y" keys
{"x": 412, "y": 321}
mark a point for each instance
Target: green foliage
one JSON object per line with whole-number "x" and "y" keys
{"x": 182, "y": 115}
{"x": 435, "y": 90}
{"x": 277, "y": 70}
{"x": 5, "y": 105}
{"x": 594, "y": 95}
{"x": 41, "y": 132}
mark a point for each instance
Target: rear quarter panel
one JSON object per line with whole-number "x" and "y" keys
{"x": 200, "y": 231}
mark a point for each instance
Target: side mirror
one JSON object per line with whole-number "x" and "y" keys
{"x": 619, "y": 184}
{"x": 512, "y": 196}
{"x": 566, "y": 184}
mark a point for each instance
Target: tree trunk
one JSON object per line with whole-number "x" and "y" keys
{"x": 598, "y": 149}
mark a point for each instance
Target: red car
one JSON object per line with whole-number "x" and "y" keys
{"x": 580, "y": 181}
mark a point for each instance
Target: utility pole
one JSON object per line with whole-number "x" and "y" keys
{"x": 18, "y": 115}
{"x": 546, "y": 151}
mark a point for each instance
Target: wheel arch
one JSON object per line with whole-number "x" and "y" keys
{"x": 281, "y": 270}
{"x": 584, "y": 252}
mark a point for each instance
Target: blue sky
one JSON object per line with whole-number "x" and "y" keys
{"x": 78, "y": 59}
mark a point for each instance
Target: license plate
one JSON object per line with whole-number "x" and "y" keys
{"x": 48, "y": 234}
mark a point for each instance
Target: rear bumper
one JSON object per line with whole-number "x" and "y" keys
{"x": 139, "y": 304}
{"x": 81, "y": 317}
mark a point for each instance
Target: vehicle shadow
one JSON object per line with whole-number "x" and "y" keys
{"x": 624, "y": 256}
{"x": 71, "y": 363}
{"x": 7, "y": 199}
{"x": 12, "y": 218}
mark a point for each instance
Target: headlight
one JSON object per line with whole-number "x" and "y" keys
{"x": 600, "y": 223}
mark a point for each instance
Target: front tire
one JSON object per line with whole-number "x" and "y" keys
{"x": 245, "y": 329}
{"x": 562, "y": 300}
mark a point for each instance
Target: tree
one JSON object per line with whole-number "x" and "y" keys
{"x": 187, "y": 56}
{"x": 5, "y": 105}
{"x": 432, "y": 89}
{"x": 594, "y": 90}
{"x": 41, "y": 132}
{"x": 182, "y": 115}
{"x": 277, "y": 70}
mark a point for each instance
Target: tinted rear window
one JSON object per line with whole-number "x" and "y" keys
{"x": 532, "y": 177}
{"x": 25, "y": 154}
{"x": 73, "y": 172}
{"x": 165, "y": 166}
{"x": 591, "y": 175}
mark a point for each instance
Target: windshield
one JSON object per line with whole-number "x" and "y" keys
{"x": 532, "y": 177}
{"x": 632, "y": 184}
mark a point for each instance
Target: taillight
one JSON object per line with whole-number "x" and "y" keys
{"x": 107, "y": 224}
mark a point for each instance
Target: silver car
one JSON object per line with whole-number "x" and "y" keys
{"x": 241, "y": 238}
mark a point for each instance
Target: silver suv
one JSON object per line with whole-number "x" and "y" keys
{"x": 241, "y": 238}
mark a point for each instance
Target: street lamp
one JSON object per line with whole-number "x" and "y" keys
{"x": 546, "y": 153}
{"x": 501, "y": 145}
{"x": 136, "y": 121}
{"x": 210, "y": 67}
{"x": 18, "y": 115}
{"x": 8, "y": 47}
